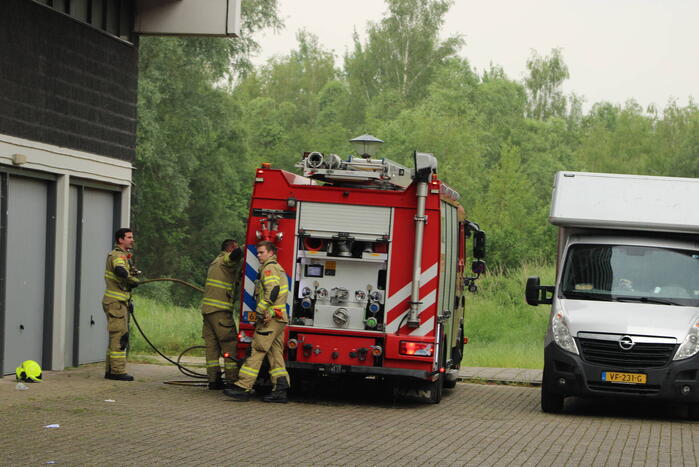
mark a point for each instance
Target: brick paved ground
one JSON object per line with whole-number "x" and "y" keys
{"x": 155, "y": 424}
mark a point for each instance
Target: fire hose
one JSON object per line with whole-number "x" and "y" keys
{"x": 183, "y": 369}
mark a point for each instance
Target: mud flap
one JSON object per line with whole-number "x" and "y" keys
{"x": 420, "y": 391}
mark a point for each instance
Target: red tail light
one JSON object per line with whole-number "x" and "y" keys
{"x": 420, "y": 349}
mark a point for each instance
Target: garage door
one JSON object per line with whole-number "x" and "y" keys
{"x": 98, "y": 228}
{"x": 92, "y": 226}
{"x": 24, "y": 270}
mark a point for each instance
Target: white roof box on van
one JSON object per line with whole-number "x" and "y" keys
{"x": 629, "y": 202}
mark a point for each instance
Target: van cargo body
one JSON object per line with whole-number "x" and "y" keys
{"x": 624, "y": 318}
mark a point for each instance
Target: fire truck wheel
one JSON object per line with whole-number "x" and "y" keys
{"x": 450, "y": 383}
{"x": 436, "y": 389}
{"x": 457, "y": 354}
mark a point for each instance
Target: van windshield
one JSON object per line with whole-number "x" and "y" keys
{"x": 631, "y": 273}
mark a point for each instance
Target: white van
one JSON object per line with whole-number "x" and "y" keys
{"x": 625, "y": 308}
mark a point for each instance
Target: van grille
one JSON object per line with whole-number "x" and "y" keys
{"x": 642, "y": 355}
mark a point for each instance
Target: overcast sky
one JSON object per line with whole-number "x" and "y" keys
{"x": 615, "y": 49}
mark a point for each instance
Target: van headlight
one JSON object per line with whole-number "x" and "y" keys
{"x": 561, "y": 335}
{"x": 690, "y": 346}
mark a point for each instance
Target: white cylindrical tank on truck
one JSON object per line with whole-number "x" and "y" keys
{"x": 625, "y": 307}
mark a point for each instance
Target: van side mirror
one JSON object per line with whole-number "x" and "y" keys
{"x": 479, "y": 244}
{"x": 536, "y": 294}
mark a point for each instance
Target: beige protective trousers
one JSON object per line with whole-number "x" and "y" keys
{"x": 220, "y": 336}
{"x": 118, "y": 328}
{"x": 267, "y": 342}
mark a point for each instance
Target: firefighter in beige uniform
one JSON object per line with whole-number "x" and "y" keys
{"x": 271, "y": 291}
{"x": 120, "y": 278}
{"x": 219, "y": 329}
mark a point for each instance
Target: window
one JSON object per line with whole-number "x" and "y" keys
{"x": 631, "y": 273}
{"x": 114, "y": 17}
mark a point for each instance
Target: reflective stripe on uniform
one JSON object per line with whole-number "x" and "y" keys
{"x": 217, "y": 303}
{"x": 211, "y": 363}
{"x": 111, "y": 275}
{"x": 263, "y": 305}
{"x": 229, "y": 364}
{"x": 119, "y": 262}
{"x": 117, "y": 295}
{"x": 116, "y": 354}
{"x": 278, "y": 372}
{"x": 246, "y": 370}
{"x": 220, "y": 284}
{"x": 270, "y": 279}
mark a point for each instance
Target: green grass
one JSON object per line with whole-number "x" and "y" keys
{"x": 171, "y": 328}
{"x": 503, "y": 330}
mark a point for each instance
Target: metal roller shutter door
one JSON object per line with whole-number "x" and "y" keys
{"x": 325, "y": 218}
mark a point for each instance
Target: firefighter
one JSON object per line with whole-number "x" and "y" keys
{"x": 220, "y": 329}
{"x": 271, "y": 290}
{"x": 121, "y": 277}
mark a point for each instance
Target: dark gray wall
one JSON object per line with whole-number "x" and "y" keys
{"x": 65, "y": 83}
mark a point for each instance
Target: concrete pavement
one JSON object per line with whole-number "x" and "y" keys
{"x": 146, "y": 422}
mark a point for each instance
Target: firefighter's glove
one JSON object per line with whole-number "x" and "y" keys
{"x": 132, "y": 282}
{"x": 136, "y": 272}
{"x": 267, "y": 317}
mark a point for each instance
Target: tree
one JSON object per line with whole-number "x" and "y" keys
{"x": 401, "y": 52}
{"x": 183, "y": 141}
{"x": 546, "y": 75}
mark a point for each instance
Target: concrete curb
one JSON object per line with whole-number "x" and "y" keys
{"x": 520, "y": 376}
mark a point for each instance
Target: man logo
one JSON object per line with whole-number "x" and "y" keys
{"x": 626, "y": 343}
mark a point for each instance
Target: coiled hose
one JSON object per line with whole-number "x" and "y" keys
{"x": 183, "y": 369}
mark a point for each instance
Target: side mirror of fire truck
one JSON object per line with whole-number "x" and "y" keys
{"x": 479, "y": 244}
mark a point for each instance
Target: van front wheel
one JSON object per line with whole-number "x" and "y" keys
{"x": 551, "y": 402}
{"x": 693, "y": 411}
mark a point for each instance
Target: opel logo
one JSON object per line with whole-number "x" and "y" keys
{"x": 626, "y": 343}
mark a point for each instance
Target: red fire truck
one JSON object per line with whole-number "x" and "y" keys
{"x": 375, "y": 254}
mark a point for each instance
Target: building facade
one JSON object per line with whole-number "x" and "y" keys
{"x": 68, "y": 97}
{"x": 68, "y": 80}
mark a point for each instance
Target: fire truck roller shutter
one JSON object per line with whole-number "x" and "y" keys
{"x": 362, "y": 222}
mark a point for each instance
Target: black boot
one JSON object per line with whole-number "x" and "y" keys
{"x": 118, "y": 376}
{"x": 279, "y": 393}
{"x": 216, "y": 385}
{"x": 237, "y": 393}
